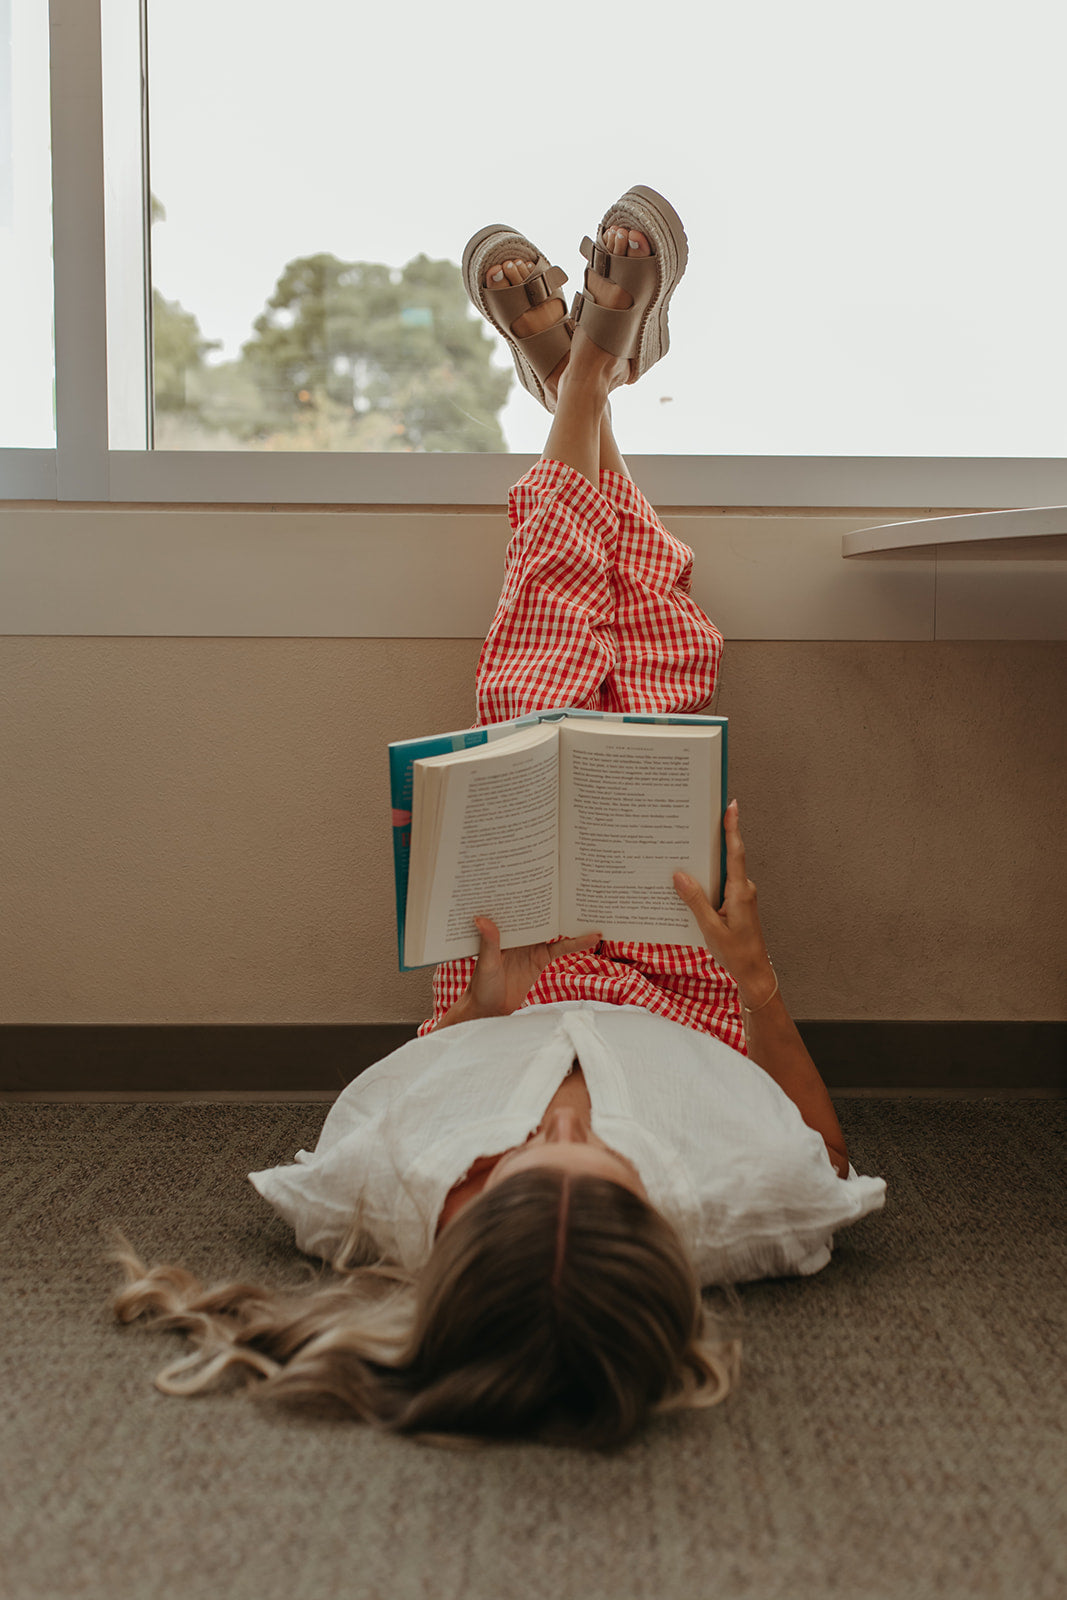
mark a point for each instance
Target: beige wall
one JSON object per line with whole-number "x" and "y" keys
{"x": 196, "y": 829}
{"x": 195, "y": 706}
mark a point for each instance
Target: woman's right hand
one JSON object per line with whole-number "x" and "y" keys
{"x": 733, "y": 933}
{"x": 503, "y": 978}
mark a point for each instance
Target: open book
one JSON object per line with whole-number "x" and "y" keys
{"x": 557, "y": 823}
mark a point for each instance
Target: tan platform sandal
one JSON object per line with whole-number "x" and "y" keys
{"x": 538, "y": 356}
{"x": 638, "y": 334}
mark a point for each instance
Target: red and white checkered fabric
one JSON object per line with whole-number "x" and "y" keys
{"x": 595, "y": 613}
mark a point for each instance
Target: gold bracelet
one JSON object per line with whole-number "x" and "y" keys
{"x": 748, "y": 1010}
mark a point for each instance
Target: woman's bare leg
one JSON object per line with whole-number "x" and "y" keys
{"x": 581, "y": 433}
{"x": 574, "y": 437}
{"x": 610, "y": 459}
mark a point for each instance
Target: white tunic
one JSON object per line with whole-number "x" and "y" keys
{"x": 722, "y": 1151}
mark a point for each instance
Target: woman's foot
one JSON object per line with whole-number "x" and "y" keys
{"x": 620, "y": 242}
{"x": 537, "y": 319}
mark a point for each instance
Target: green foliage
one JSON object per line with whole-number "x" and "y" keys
{"x": 396, "y": 352}
{"x": 345, "y": 356}
{"x": 179, "y": 353}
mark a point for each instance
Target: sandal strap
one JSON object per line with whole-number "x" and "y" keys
{"x": 617, "y": 332}
{"x": 638, "y": 275}
{"x": 545, "y": 350}
{"x": 509, "y": 303}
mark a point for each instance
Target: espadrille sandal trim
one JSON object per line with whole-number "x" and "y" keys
{"x": 638, "y": 334}
{"x": 539, "y": 354}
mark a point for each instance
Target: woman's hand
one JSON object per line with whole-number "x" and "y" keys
{"x": 503, "y": 978}
{"x": 733, "y": 933}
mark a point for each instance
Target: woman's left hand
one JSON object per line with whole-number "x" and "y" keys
{"x": 503, "y": 978}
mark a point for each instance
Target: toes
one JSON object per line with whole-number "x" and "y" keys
{"x": 505, "y": 272}
{"x": 621, "y": 241}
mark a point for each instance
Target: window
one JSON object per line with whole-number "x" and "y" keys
{"x": 27, "y": 397}
{"x": 871, "y": 317}
{"x": 876, "y": 265}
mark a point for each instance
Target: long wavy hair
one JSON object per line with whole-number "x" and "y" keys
{"x": 555, "y": 1306}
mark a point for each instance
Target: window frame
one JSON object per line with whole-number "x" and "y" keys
{"x": 101, "y": 459}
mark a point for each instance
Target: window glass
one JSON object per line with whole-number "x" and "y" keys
{"x": 871, "y": 193}
{"x": 27, "y": 389}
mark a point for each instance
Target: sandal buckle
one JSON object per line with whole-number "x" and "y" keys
{"x": 600, "y": 261}
{"x": 536, "y": 291}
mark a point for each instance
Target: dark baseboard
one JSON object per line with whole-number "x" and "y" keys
{"x": 193, "y": 1056}
{"x": 999, "y": 1057}
{"x": 996, "y": 1057}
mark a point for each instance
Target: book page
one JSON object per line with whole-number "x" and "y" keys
{"x": 638, "y": 803}
{"x": 498, "y": 846}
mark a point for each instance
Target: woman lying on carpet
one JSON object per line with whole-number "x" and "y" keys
{"x": 580, "y": 1138}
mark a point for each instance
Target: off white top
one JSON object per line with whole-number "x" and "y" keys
{"x": 722, "y": 1151}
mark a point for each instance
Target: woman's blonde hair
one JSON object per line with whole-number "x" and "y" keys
{"x": 558, "y": 1306}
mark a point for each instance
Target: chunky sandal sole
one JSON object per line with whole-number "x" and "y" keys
{"x": 538, "y": 355}
{"x": 645, "y": 210}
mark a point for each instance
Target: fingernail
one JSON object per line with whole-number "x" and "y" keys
{"x": 685, "y": 880}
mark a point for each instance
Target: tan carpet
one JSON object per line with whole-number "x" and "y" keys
{"x": 899, "y": 1431}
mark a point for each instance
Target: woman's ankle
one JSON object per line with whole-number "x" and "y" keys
{"x": 574, "y": 437}
{"x": 588, "y": 379}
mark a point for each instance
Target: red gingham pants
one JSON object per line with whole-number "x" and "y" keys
{"x": 595, "y": 613}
